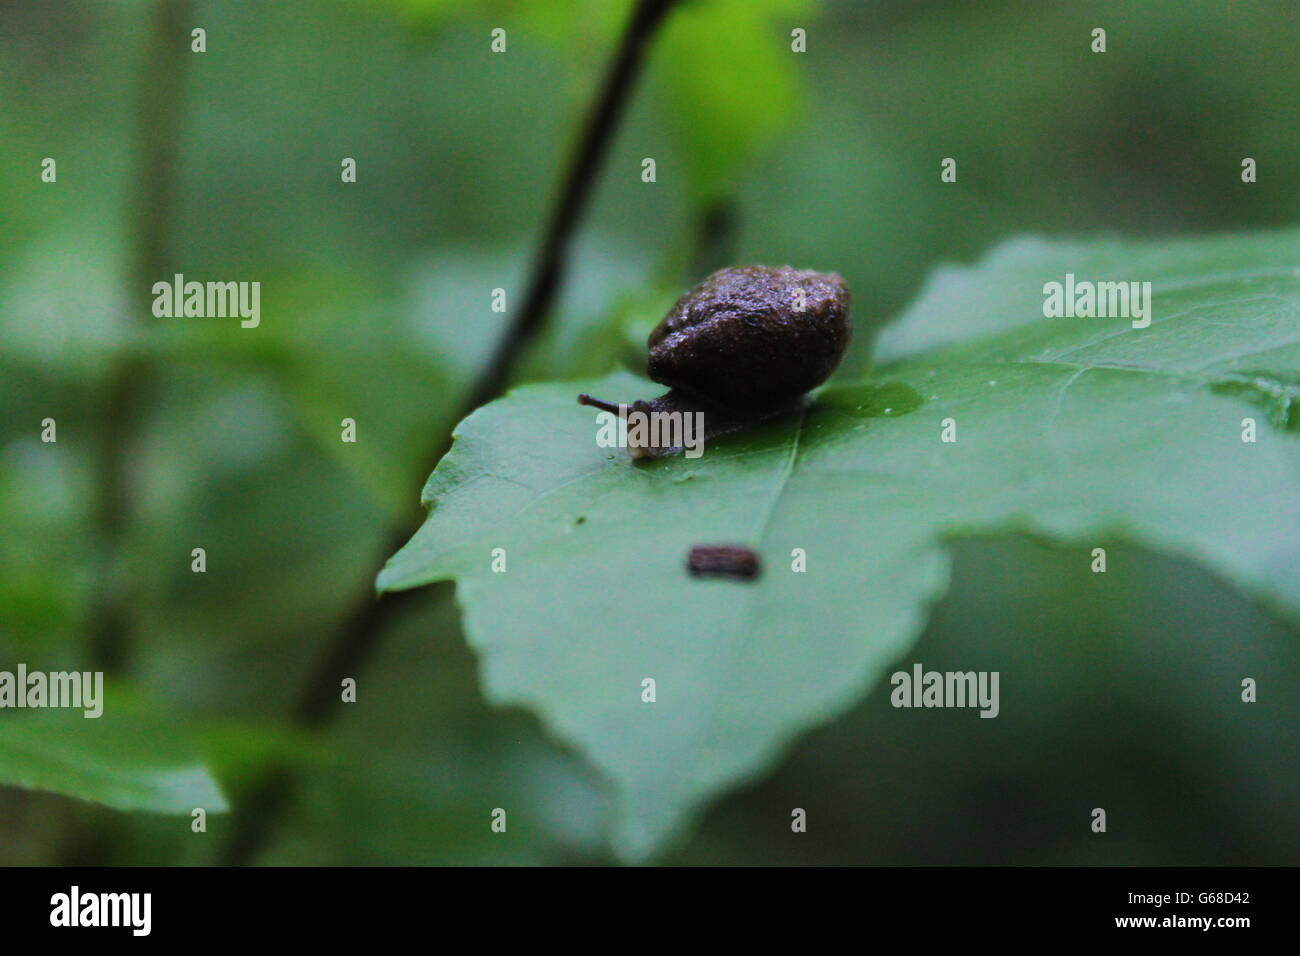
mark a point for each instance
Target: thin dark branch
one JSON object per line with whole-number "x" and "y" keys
{"x": 157, "y": 130}
{"x": 358, "y": 634}
{"x": 157, "y": 125}
{"x": 350, "y": 646}
{"x": 579, "y": 184}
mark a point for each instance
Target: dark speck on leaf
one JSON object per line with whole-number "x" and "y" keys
{"x": 723, "y": 561}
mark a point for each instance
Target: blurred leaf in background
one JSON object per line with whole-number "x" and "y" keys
{"x": 134, "y": 761}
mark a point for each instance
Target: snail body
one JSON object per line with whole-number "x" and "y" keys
{"x": 745, "y": 343}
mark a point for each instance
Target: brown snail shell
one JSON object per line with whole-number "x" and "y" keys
{"x": 745, "y": 342}
{"x": 753, "y": 336}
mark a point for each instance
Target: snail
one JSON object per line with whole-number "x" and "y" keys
{"x": 744, "y": 344}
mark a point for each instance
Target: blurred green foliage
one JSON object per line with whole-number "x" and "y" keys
{"x": 376, "y": 307}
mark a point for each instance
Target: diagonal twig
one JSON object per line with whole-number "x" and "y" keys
{"x": 359, "y": 632}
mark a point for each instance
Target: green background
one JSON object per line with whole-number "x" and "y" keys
{"x": 375, "y": 306}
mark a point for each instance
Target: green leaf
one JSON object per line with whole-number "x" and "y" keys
{"x": 128, "y": 758}
{"x": 1084, "y": 430}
